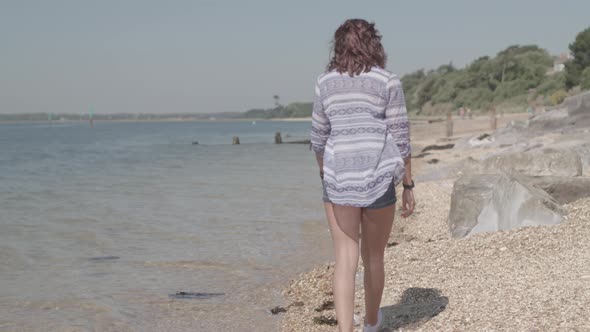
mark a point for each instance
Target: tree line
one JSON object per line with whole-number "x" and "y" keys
{"x": 515, "y": 77}
{"x": 510, "y": 81}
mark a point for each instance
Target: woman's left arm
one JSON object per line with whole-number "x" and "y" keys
{"x": 396, "y": 116}
{"x": 320, "y": 129}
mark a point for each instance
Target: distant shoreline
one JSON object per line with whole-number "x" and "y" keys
{"x": 431, "y": 118}
{"x": 307, "y": 119}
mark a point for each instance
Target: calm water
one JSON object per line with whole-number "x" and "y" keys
{"x": 98, "y": 226}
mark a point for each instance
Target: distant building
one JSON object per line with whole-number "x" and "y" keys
{"x": 557, "y": 67}
{"x": 559, "y": 63}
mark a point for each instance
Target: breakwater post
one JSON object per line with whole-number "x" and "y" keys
{"x": 278, "y": 138}
{"x": 449, "y": 124}
{"x": 493, "y": 119}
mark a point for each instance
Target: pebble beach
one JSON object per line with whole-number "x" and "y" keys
{"x": 525, "y": 279}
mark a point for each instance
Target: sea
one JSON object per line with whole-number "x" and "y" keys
{"x": 133, "y": 226}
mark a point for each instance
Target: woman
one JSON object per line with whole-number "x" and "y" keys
{"x": 360, "y": 133}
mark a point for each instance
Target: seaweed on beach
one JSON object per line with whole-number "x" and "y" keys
{"x": 326, "y": 305}
{"x": 276, "y": 310}
{"x": 325, "y": 320}
{"x": 438, "y": 147}
{"x": 194, "y": 295}
{"x": 103, "y": 258}
{"x": 483, "y": 136}
{"x": 421, "y": 155}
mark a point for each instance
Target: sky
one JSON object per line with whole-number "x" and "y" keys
{"x": 144, "y": 56}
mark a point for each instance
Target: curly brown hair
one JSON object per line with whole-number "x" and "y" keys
{"x": 356, "y": 48}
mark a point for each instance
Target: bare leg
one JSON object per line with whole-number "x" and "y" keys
{"x": 344, "y": 224}
{"x": 375, "y": 228}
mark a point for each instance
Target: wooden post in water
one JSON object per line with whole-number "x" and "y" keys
{"x": 90, "y": 119}
{"x": 235, "y": 140}
{"x": 449, "y": 124}
{"x": 493, "y": 119}
{"x": 278, "y": 138}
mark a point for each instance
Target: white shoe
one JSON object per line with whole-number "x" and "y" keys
{"x": 374, "y": 328}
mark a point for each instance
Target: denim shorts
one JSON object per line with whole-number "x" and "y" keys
{"x": 387, "y": 199}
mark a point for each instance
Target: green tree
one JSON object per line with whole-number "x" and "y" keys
{"x": 507, "y": 77}
{"x": 580, "y": 49}
{"x": 410, "y": 83}
{"x": 572, "y": 74}
{"x": 552, "y": 83}
{"x": 557, "y": 97}
{"x": 426, "y": 91}
{"x": 444, "y": 69}
{"x": 585, "y": 79}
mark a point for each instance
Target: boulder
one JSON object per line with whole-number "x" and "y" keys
{"x": 578, "y": 106}
{"x": 550, "y": 120}
{"x": 493, "y": 202}
{"x": 583, "y": 150}
{"x": 579, "y": 143}
{"x": 514, "y": 132}
{"x": 573, "y": 112}
{"x": 539, "y": 162}
{"x": 563, "y": 189}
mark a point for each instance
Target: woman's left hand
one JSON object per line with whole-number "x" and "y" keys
{"x": 407, "y": 203}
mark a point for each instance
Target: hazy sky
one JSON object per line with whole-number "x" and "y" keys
{"x": 213, "y": 56}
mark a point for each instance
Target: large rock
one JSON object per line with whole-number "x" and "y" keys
{"x": 492, "y": 202}
{"x": 563, "y": 189}
{"x": 583, "y": 150}
{"x": 573, "y": 112}
{"x": 540, "y": 162}
{"x": 579, "y": 144}
{"x": 578, "y": 106}
{"x": 514, "y": 132}
{"x": 550, "y": 120}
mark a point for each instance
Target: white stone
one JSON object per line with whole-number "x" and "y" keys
{"x": 493, "y": 202}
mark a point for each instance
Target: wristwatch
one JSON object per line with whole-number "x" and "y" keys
{"x": 409, "y": 186}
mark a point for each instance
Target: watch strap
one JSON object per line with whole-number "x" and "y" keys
{"x": 409, "y": 186}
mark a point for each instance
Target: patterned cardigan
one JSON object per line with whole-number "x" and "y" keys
{"x": 360, "y": 126}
